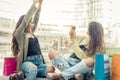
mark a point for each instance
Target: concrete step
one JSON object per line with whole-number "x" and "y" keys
{"x": 7, "y": 78}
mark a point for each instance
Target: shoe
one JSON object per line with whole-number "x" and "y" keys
{"x": 53, "y": 75}
{"x": 17, "y": 76}
{"x": 21, "y": 75}
{"x": 79, "y": 76}
{"x": 13, "y": 76}
{"x": 49, "y": 75}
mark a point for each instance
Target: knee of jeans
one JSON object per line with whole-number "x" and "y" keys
{"x": 52, "y": 54}
{"x": 33, "y": 69}
{"x": 89, "y": 62}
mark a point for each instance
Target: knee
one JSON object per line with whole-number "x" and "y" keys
{"x": 32, "y": 69}
{"x": 52, "y": 54}
{"x": 50, "y": 69}
{"x": 89, "y": 62}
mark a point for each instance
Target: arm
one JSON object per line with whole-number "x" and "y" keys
{"x": 76, "y": 50}
{"x": 80, "y": 39}
{"x": 74, "y": 45}
{"x": 27, "y": 18}
{"x": 35, "y": 21}
{"x": 36, "y": 17}
{"x": 75, "y": 39}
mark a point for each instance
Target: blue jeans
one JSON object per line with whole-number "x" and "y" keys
{"x": 33, "y": 66}
{"x": 71, "y": 66}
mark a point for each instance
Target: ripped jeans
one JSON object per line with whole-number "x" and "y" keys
{"x": 71, "y": 66}
{"x": 33, "y": 66}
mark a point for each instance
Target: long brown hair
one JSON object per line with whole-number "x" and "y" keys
{"x": 15, "y": 47}
{"x": 96, "y": 42}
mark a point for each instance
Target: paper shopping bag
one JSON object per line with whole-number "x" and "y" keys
{"x": 99, "y": 67}
{"x": 10, "y": 64}
{"x": 115, "y": 67}
{"x": 102, "y": 67}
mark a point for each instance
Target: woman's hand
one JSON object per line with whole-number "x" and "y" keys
{"x": 72, "y": 35}
{"x": 40, "y": 1}
{"x": 37, "y": 3}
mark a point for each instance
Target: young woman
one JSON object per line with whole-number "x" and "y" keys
{"x": 25, "y": 45}
{"x": 82, "y": 60}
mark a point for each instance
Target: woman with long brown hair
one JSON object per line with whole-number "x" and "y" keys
{"x": 25, "y": 45}
{"x": 81, "y": 61}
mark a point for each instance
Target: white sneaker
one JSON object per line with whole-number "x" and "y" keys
{"x": 79, "y": 76}
{"x": 49, "y": 75}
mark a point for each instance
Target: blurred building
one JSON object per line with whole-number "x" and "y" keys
{"x": 55, "y": 19}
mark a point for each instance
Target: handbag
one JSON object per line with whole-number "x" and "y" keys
{"x": 99, "y": 67}
{"x": 10, "y": 64}
{"x": 115, "y": 75}
{"x": 102, "y": 67}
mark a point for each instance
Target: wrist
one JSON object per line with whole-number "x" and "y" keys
{"x": 37, "y": 5}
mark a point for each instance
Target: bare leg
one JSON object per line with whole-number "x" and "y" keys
{"x": 52, "y": 54}
{"x": 89, "y": 62}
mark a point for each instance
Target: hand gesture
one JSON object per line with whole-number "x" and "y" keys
{"x": 40, "y": 1}
{"x": 37, "y": 3}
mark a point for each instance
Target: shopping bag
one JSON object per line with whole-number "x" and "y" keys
{"x": 102, "y": 67}
{"x": 106, "y": 67}
{"x": 115, "y": 75}
{"x": 99, "y": 67}
{"x": 10, "y": 64}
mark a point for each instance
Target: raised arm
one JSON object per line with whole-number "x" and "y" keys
{"x": 73, "y": 38}
{"x": 27, "y": 18}
{"x": 36, "y": 16}
{"x": 75, "y": 41}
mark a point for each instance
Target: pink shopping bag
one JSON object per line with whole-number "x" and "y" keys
{"x": 10, "y": 64}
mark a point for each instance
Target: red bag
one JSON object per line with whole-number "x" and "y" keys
{"x": 10, "y": 64}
